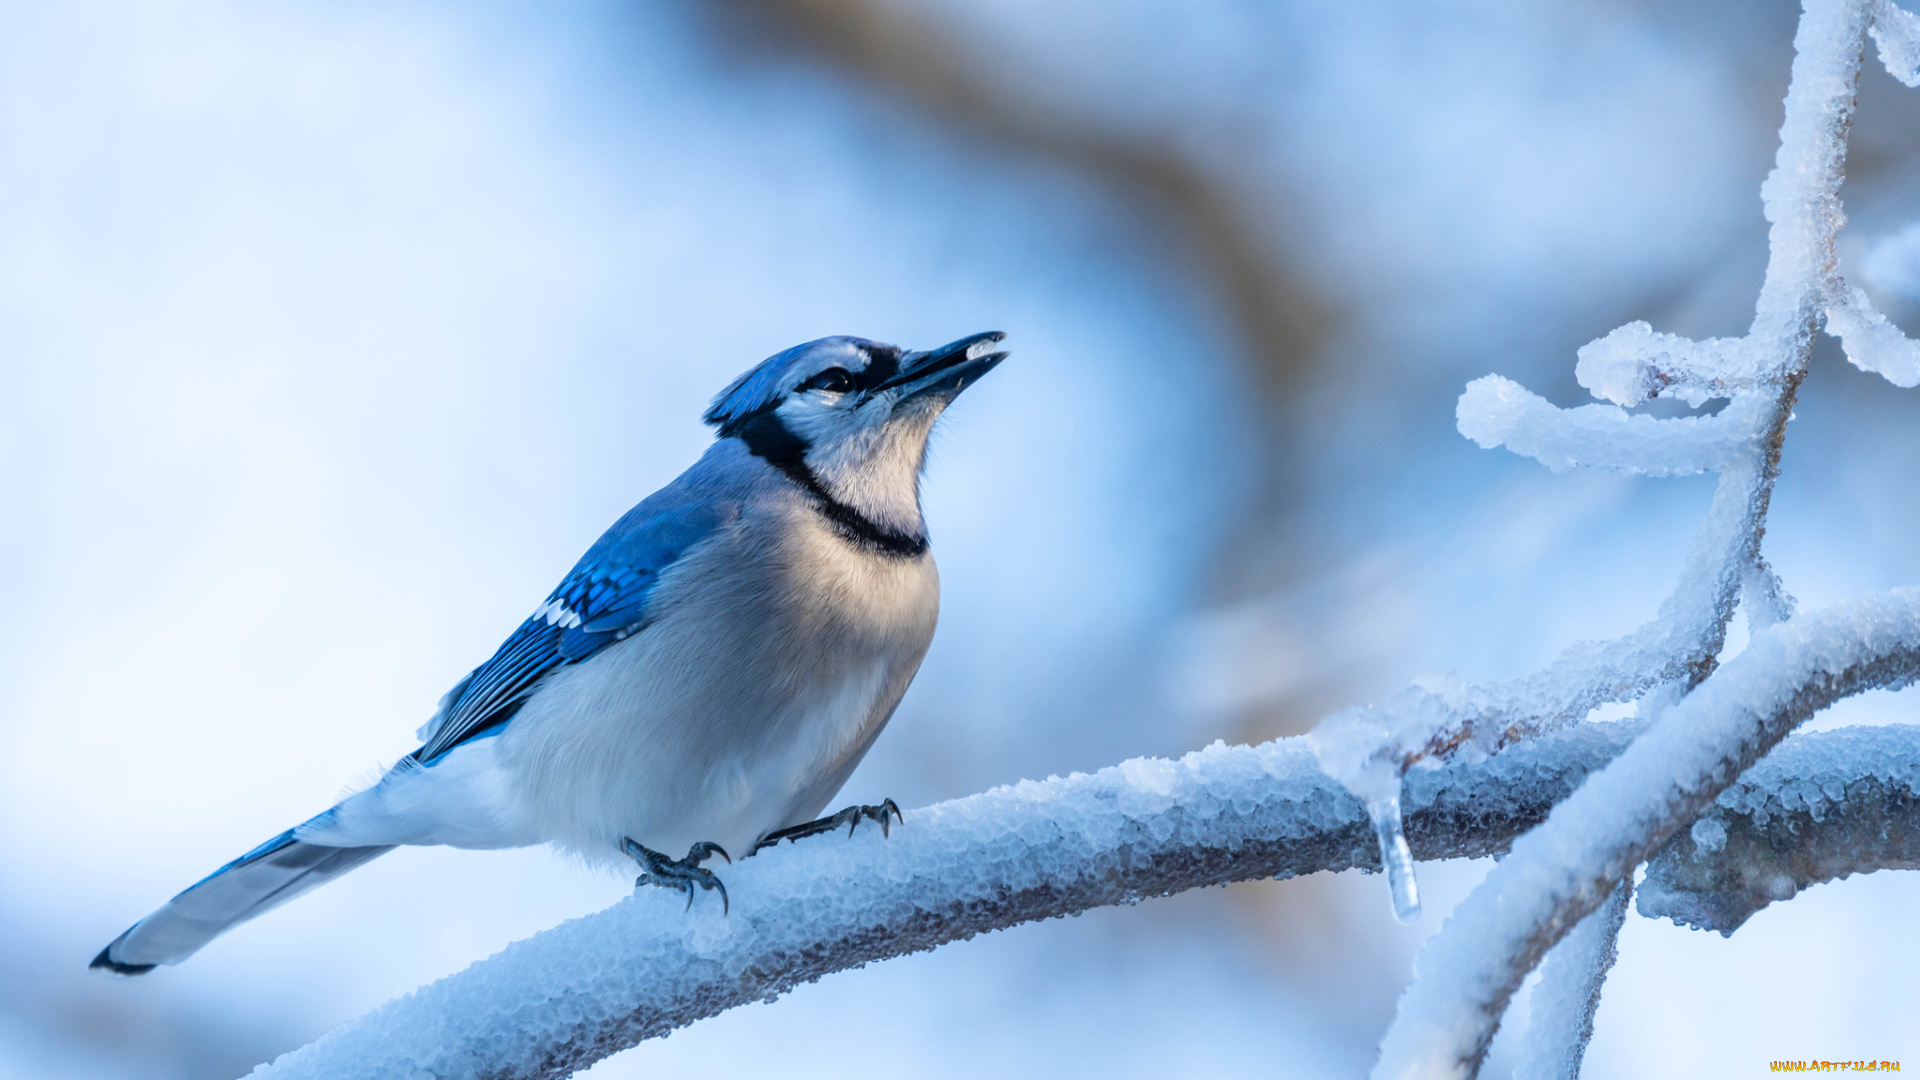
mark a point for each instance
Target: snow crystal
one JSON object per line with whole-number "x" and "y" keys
{"x": 1635, "y": 363}
{"x": 1819, "y": 807}
{"x": 1897, "y": 32}
{"x": 1708, "y": 835}
{"x": 1569, "y": 992}
{"x": 1871, "y": 342}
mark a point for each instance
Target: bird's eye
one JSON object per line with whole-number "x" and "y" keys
{"x": 835, "y": 380}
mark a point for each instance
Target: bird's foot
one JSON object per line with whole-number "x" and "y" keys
{"x": 683, "y": 874}
{"x": 851, "y": 817}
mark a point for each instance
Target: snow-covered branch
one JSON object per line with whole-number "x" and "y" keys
{"x": 1819, "y": 808}
{"x": 574, "y": 994}
{"x": 568, "y": 997}
{"x": 1563, "y": 870}
{"x": 1760, "y": 374}
{"x": 1496, "y": 411}
{"x": 1569, "y": 992}
{"x": 1721, "y": 723}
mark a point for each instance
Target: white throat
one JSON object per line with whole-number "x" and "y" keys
{"x": 876, "y": 472}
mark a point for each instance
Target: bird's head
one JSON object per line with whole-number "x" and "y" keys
{"x": 851, "y": 417}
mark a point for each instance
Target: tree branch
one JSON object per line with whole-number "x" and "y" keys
{"x": 1817, "y": 809}
{"x": 1567, "y": 867}
{"x": 1226, "y": 222}
{"x": 588, "y": 988}
{"x": 1568, "y": 993}
{"x": 570, "y": 996}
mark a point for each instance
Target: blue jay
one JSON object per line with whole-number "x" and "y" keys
{"x": 703, "y": 680}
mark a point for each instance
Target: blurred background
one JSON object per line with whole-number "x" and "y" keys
{"x": 330, "y": 334}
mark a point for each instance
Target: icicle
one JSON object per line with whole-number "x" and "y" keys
{"x": 1357, "y": 747}
{"x": 1396, "y": 858}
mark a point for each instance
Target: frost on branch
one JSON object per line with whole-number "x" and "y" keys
{"x": 572, "y": 995}
{"x": 1496, "y": 411}
{"x": 1872, "y": 343}
{"x": 1635, "y": 364}
{"x": 1821, "y": 807}
{"x": 1560, "y": 872}
{"x": 1712, "y": 724}
{"x": 1569, "y": 992}
{"x": 1897, "y": 32}
{"x": 565, "y": 998}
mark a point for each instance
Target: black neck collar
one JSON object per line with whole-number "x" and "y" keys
{"x": 768, "y": 439}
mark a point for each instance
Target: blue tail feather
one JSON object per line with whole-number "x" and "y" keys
{"x": 262, "y": 879}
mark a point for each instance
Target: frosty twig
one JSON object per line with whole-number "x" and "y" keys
{"x": 1448, "y": 1016}
{"x": 1563, "y": 870}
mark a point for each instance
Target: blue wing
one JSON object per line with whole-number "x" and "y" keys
{"x": 603, "y": 600}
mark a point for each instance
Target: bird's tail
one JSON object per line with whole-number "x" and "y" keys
{"x": 262, "y": 879}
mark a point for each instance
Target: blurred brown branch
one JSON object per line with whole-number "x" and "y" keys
{"x": 1223, "y": 224}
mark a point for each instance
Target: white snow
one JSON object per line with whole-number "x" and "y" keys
{"x": 1872, "y": 343}
{"x": 1033, "y": 850}
{"x": 1897, "y": 32}
{"x": 1556, "y": 874}
{"x": 1811, "y": 775}
{"x": 798, "y": 911}
{"x": 1635, "y": 363}
{"x": 1569, "y": 992}
{"x": 1496, "y": 411}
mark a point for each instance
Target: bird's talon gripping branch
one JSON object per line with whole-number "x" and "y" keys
{"x": 851, "y": 817}
{"x": 683, "y": 874}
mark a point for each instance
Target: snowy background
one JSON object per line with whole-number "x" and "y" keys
{"x": 331, "y": 334}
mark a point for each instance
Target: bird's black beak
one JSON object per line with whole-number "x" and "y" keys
{"x": 948, "y": 369}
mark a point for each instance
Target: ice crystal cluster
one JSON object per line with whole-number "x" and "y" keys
{"x": 1446, "y": 768}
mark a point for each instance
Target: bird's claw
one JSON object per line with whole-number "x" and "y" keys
{"x": 853, "y": 815}
{"x": 682, "y": 874}
{"x": 886, "y": 812}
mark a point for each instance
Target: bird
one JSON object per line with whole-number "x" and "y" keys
{"x": 703, "y": 680}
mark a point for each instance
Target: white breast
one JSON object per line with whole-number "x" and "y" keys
{"x": 768, "y": 670}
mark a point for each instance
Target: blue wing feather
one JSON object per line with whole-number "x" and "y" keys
{"x": 603, "y": 600}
